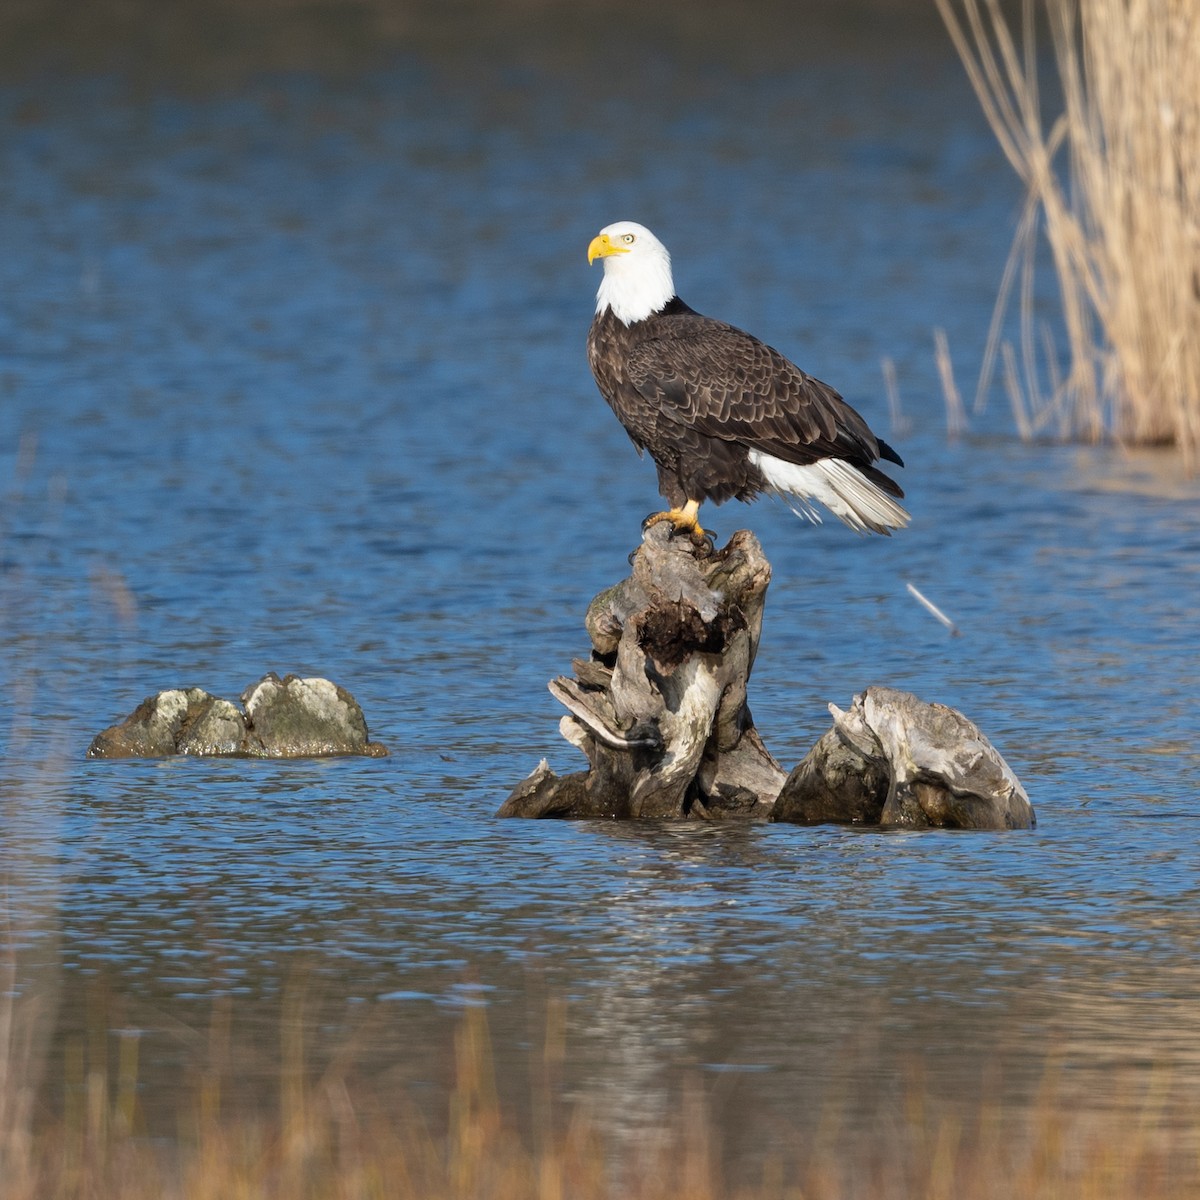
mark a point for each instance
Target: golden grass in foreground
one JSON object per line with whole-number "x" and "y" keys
{"x": 1121, "y": 214}
{"x": 326, "y": 1143}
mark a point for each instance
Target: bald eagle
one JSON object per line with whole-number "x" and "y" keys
{"x": 722, "y": 414}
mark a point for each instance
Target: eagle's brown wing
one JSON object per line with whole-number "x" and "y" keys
{"x": 727, "y": 384}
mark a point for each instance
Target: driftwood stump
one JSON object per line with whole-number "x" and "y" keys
{"x": 660, "y": 707}
{"x": 660, "y": 711}
{"x": 895, "y": 761}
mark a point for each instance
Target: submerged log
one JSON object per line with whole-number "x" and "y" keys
{"x": 660, "y": 711}
{"x": 282, "y": 718}
{"x": 895, "y": 761}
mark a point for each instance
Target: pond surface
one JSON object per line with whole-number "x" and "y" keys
{"x": 292, "y": 378}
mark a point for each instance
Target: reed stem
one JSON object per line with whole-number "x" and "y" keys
{"x": 1114, "y": 185}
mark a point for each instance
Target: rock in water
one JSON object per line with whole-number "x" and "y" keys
{"x": 305, "y": 718}
{"x": 214, "y": 727}
{"x": 283, "y": 718}
{"x": 660, "y": 707}
{"x": 176, "y": 721}
{"x": 898, "y": 762}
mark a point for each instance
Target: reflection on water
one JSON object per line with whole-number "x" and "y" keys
{"x": 293, "y": 379}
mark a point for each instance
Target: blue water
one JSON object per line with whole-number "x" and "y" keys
{"x": 292, "y": 378}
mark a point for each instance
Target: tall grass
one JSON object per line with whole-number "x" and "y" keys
{"x": 330, "y": 1137}
{"x": 1114, "y": 183}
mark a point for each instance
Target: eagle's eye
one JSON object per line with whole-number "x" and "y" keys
{"x": 629, "y": 239}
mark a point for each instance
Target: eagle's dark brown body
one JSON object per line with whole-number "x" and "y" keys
{"x": 700, "y": 395}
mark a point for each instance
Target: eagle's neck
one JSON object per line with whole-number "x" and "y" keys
{"x": 635, "y": 285}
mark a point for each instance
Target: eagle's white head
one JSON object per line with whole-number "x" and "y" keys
{"x": 637, "y": 271}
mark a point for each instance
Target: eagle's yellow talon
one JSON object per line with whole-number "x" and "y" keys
{"x": 683, "y": 520}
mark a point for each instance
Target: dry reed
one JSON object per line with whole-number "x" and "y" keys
{"x": 1114, "y": 182}
{"x": 328, "y": 1140}
{"x": 956, "y": 413}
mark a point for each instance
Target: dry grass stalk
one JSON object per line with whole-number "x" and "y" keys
{"x": 956, "y": 413}
{"x": 332, "y": 1140}
{"x": 1122, "y": 219}
{"x": 898, "y": 423}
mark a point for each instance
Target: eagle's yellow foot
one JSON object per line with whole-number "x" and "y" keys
{"x": 683, "y": 520}
{"x": 678, "y": 519}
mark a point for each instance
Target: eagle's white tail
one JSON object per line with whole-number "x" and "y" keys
{"x": 836, "y": 484}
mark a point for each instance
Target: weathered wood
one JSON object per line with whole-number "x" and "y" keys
{"x": 836, "y": 783}
{"x": 660, "y": 708}
{"x": 660, "y": 711}
{"x": 895, "y": 761}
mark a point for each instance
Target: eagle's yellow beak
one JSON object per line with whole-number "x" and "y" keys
{"x": 601, "y": 246}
